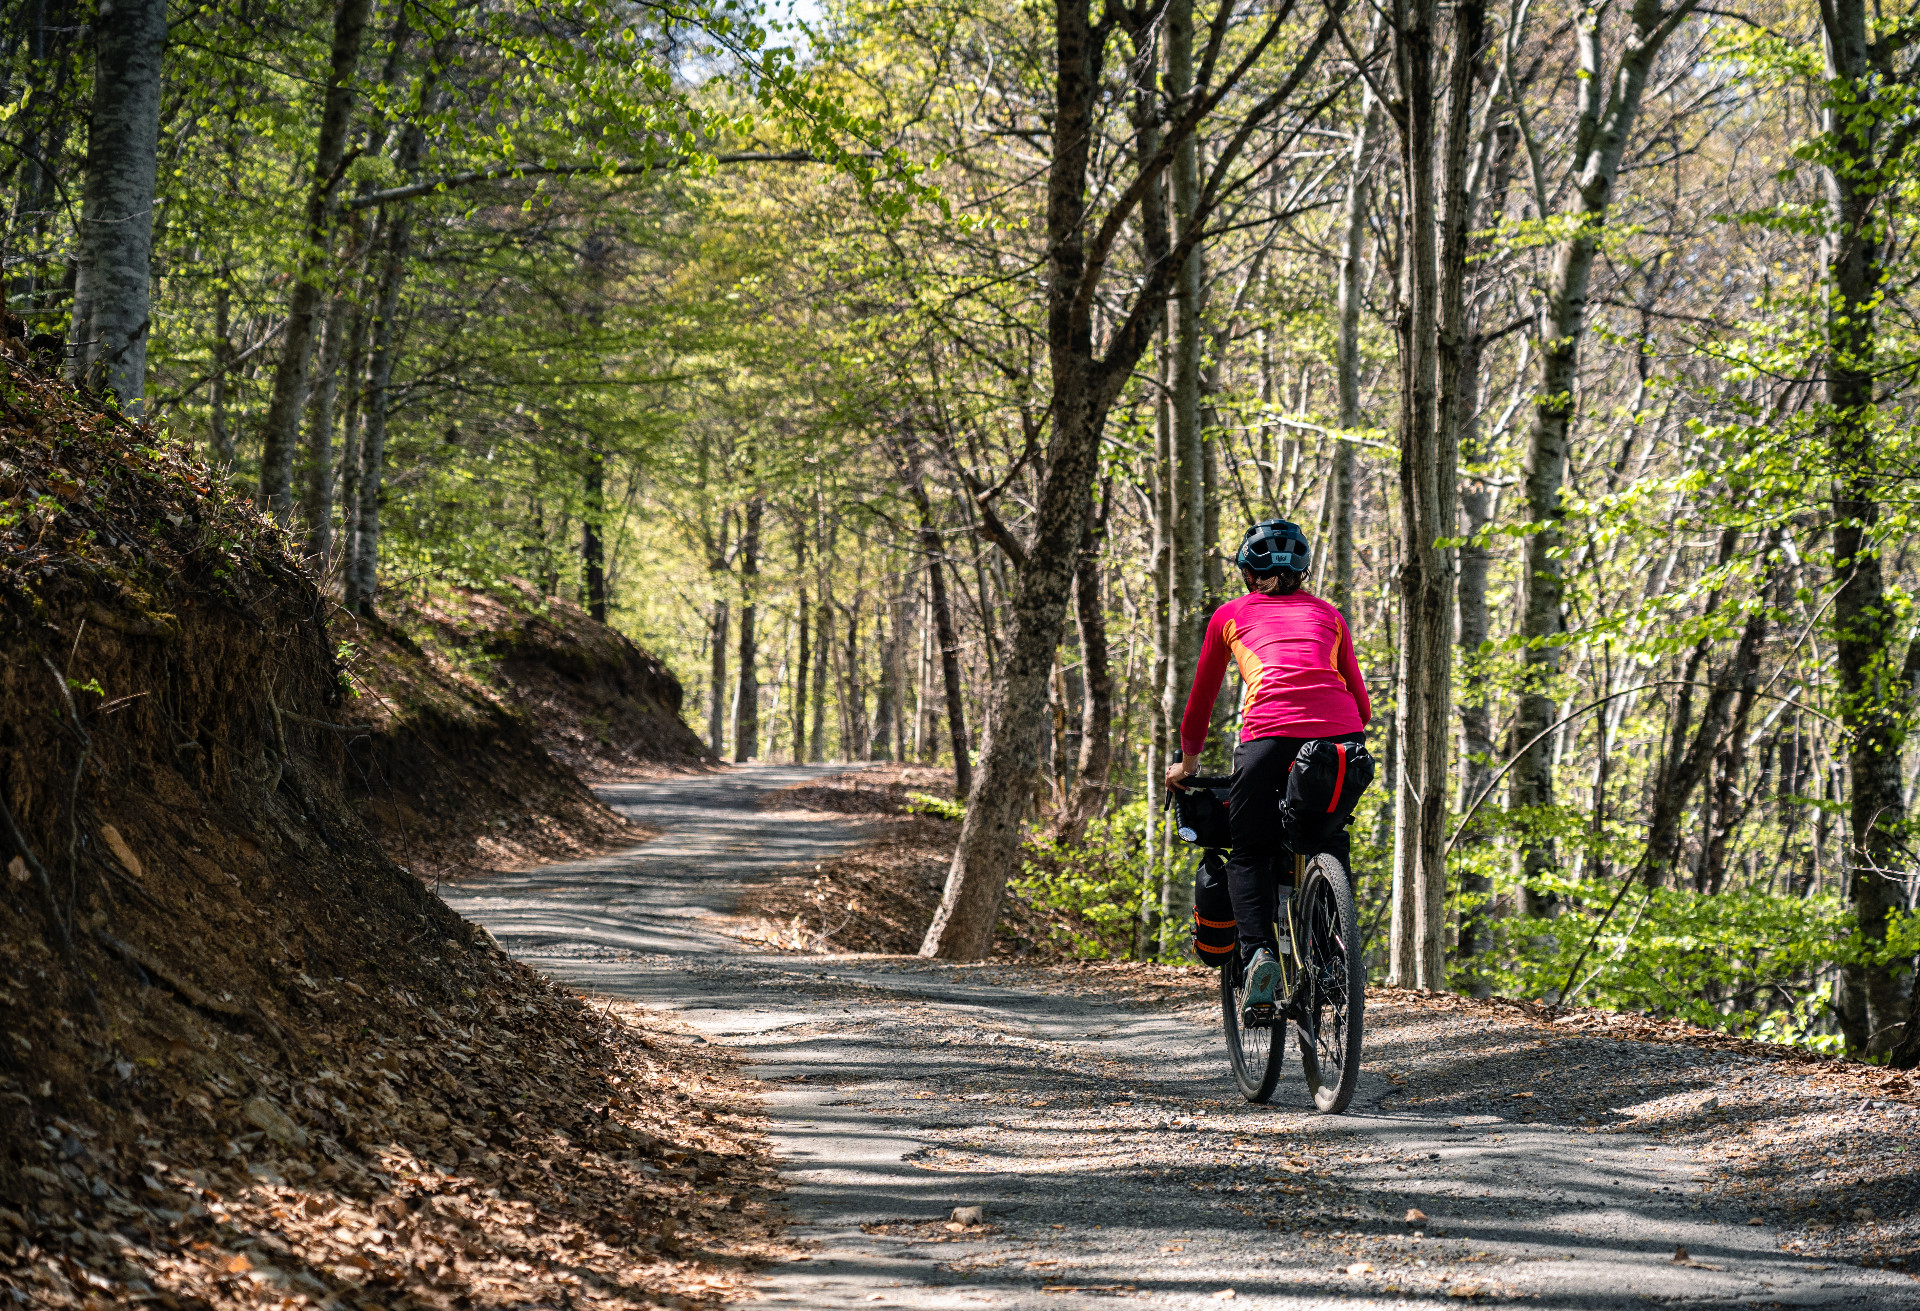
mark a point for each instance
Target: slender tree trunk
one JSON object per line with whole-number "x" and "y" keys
{"x": 317, "y": 505}
{"x": 1096, "y": 707}
{"x": 746, "y": 724}
{"x": 718, "y": 626}
{"x": 1732, "y": 758}
{"x": 932, "y": 548}
{"x": 801, "y": 618}
{"x": 1865, "y": 620}
{"x": 1476, "y": 720}
{"x": 220, "y": 454}
{"x": 282, "y": 432}
{"x": 364, "y": 576}
{"x": 1161, "y": 754}
{"x": 1477, "y": 503}
{"x": 905, "y": 603}
{"x": 1189, "y": 456}
{"x": 351, "y": 437}
{"x": 886, "y": 712}
{"x": 593, "y": 546}
{"x": 854, "y": 733}
{"x": 952, "y": 678}
{"x": 823, "y": 630}
{"x": 111, "y": 324}
{"x": 823, "y": 636}
{"x": 1347, "y": 351}
{"x": 1686, "y": 762}
{"x": 926, "y": 724}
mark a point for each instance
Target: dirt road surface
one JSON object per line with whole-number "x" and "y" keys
{"x": 1105, "y": 1140}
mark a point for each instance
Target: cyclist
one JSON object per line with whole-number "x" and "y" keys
{"x": 1296, "y": 659}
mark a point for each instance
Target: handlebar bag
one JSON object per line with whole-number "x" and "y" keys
{"x": 1323, "y": 786}
{"x": 1200, "y": 815}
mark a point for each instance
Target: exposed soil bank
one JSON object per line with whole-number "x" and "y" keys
{"x": 449, "y": 774}
{"x": 247, "y": 1055}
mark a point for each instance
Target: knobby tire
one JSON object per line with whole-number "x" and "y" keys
{"x": 1332, "y": 989}
{"x": 1256, "y": 1054}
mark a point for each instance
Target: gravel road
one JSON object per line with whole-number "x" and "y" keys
{"x": 1104, "y": 1138}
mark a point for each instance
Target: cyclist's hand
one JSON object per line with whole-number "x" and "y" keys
{"x": 1182, "y": 771}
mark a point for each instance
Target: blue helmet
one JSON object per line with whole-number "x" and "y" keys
{"x": 1273, "y": 545}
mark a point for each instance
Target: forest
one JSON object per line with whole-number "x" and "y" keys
{"x": 905, "y": 376}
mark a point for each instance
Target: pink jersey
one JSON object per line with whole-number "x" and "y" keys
{"x": 1296, "y": 659}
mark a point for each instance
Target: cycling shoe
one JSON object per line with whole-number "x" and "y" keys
{"x": 1263, "y": 979}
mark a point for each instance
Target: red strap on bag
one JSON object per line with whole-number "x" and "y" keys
{"x": 1339, "y": 778}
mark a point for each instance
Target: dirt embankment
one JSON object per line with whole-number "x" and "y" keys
{"x": 483, "y": 716}
{"x": 248, "y": 1057}
{"x": 602, "y": 706}
{"x": 449, "y": 774}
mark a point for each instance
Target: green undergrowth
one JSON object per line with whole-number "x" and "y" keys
{"x": 1746, "y": 961}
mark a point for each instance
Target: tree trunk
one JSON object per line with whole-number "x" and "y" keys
{"x": 282, "y": 430}
{"x": 823, "y": 632}
{"x": 350, "y": 441}
{"x": 886, "y": 713}
{"x": 931, "y": 547}
{"x": 801, "y": 619}
{"x": 905, "y": 604}
{"x": 1865, "y": 620}
{"x": 853, "y": 692}
{"x": 1732, "y": 758}
{"x": 1096, "y": 706}
{"x": 1686, "y": 764}
{"x": 317, "y": 505}
{"x": 1604, "y": 117}
{"x": 746, "y": 722}
{"x": 1432, "y": 336}
{"x": 1189, "y": 457}
{"x": 364, "y": 575}
{"x": 111, "y": 324}
{"x": 926, "y": 722}
{"x": 593, "y": 546}
{"x": 1160, "y": 563}
{"x": 1476, "y": 720}
{"x": 220, "y": 454}
{"x": 823, "y": 641}
{"x": 1347, "y": 353}
{"x": 989, "y": 846}
{"x": 717, "y": 628}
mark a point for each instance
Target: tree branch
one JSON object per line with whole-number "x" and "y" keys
{"x": 504, "y": 172}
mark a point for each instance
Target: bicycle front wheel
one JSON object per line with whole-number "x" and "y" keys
{"x": 1256, "y": 1053}
{"x": 1332, "y": 997}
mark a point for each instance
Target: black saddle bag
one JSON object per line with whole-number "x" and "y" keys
{"x": 1323, "y": 786}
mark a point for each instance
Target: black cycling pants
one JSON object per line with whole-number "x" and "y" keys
{"x": 1261, "y": 861}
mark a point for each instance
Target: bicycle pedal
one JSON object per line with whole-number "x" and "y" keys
{"x": 1256, "y": 1017}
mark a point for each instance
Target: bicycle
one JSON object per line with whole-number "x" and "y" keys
{"x": 1323, "y": 978}
{"x": 1322, "y": 993}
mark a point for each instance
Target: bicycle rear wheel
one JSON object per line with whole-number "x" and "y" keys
{"x": 1256, "y": 1054}
{"x": 1332, "y": 997}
